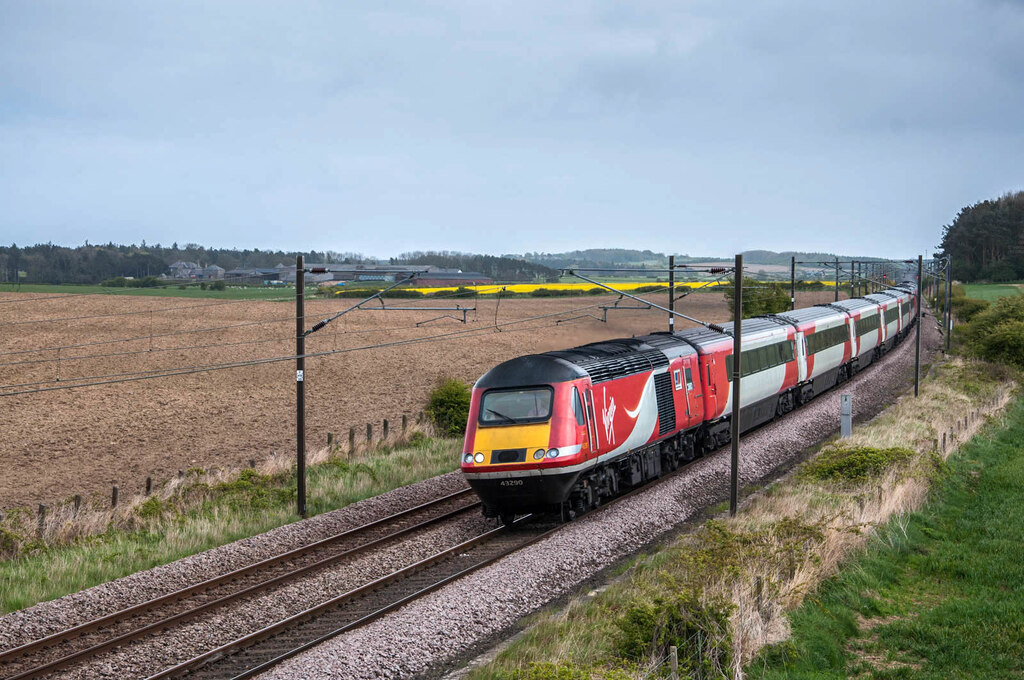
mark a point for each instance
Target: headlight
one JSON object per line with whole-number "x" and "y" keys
{"x": 479, "y": 457}
{"x": 467, "y": 458}
{"x": 552, "y": 453}
{"x": 538, "y": 454}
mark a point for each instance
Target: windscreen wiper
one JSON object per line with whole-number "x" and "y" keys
{"x": 501, "y": 415}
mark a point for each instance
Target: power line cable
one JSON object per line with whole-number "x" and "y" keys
{"x": 162, "y": 373}
{"x": 185, "y": 332}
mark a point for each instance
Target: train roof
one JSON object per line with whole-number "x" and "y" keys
{"x": 881, "y": 298}
{"x": 532, "y": 369}
{"x": 806, "y": 314}
{"x": 853, "y": 304}
{"x": 702, "y": 338}
{"x": 669, "y": 343}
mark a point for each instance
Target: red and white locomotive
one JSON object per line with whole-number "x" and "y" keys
{"x": 563, "y": 430}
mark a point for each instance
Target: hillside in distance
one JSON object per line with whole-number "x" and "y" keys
{"x": 623, "y": 257}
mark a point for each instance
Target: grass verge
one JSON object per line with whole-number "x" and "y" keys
{"x": 938, "y": 594}
{"x": 721, "y": 594}
{"x": 81, "y": 549}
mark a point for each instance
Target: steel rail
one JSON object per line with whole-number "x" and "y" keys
{"x": 268, "y": 631}
{"x": 60, "y": 637}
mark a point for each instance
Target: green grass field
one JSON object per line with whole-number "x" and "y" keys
{"x": 230, "y": 293}
{"x": 939, "y": 596}
{"x": 991, "y": 291}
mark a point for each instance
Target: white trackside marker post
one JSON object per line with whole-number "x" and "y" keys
{"x": 845, "y": 415}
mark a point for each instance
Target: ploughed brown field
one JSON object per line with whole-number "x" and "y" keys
{"x": 84, "y": 440}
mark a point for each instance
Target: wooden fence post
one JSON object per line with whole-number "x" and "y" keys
{"x": 405, "y": 423}
{"x": 369, "y": 432}
{"x": 113, "y": 497}
{"x": 351, "y": 440}
{"x": 330, "y": 440}
{"x": 384, "y": 430}
{"x": 42, "y": 518}
{"x": 76, "y": 503}
{"x": 149, "y": 485}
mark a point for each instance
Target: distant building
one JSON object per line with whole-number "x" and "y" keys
{"x": 211, "y": 272}
{"x": 193, "y": 271}
{"x": 184, "y": 270}
{"x": 387, "y": 273}
{"x": 253, "y": 275}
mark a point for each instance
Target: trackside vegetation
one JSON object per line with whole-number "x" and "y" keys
{"x": 722, "y": 594}
{"x": 938, "y": 593}
{"x": 76, "y": 550}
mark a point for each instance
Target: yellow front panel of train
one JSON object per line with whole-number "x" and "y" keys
{"x": 513, "y": 437}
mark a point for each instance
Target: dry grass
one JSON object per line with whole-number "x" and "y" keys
{"x": 23, "y": 531}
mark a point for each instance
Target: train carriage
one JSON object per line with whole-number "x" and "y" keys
{"x": 824, "y": 338}
{"x": 889, "y": 308}
{"x": 868, "y": 329}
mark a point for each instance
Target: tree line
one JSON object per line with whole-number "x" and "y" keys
{"x": 497, "y": 268}
{"x": 92, "y": 264}
{"x": 986, "y": 240}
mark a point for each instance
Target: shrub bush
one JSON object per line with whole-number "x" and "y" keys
{"x": 967, "y": 308}
{"x": 699, "y": 629}
{"x": 997, "y": 333}
{"x": 116, "y": 282}
{"x": 448, "y": 408}
{"x": 218, "y": 285}
{"x": 145, "y": 282}
{"x": 853, "y": 464}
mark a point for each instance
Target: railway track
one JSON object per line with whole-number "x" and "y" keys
{"x": 257, "y": 652}
{"x": 81, "y": 643}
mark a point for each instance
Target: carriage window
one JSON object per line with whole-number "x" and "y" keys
{"x": 506, "y": 407}
{"x": 577, "y": 407}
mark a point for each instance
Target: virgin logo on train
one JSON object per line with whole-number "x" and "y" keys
{"x": 608, "y": 416}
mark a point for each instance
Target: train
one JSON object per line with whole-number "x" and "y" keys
{"x": 560, "y": 432}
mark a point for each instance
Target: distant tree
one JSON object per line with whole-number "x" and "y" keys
{"x": 986, "y": 240}
{"x": 759, "y": 298}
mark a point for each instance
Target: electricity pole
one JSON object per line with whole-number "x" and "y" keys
{"x": 917, "y": 341}
{"x": 837, "y": 280}
{"x": 300, "y": 391}
{"x": 792, "y": 283}
{"x": 948, "y": 320}
{"x": 671, "y": 293}
{"x": 737, "y": 344}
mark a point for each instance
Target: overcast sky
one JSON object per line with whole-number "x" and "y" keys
{"x": 702, "y": 127}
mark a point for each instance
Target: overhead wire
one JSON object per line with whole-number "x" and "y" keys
{"x": 135, "y": 312}
{"x": 139, "y": 338}
{"x": 159, "y": 373}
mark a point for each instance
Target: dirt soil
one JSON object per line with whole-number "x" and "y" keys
{"x": 61, "y": 442}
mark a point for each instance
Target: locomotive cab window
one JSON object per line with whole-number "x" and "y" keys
{"x": 577, "y": 407}
{"x": 512, "y": 407}
{"x": 689, "y": 379}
